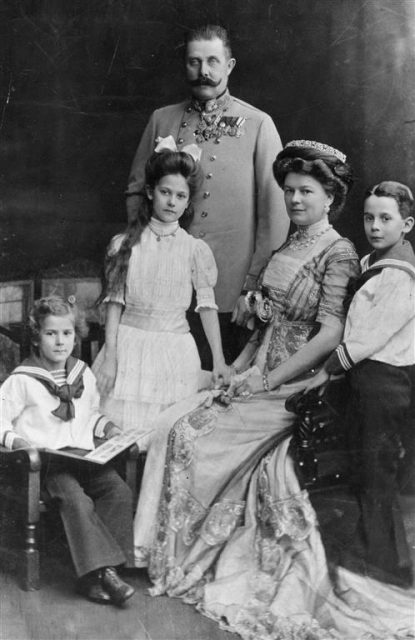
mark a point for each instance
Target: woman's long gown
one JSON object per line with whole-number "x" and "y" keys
{"x": 222, "y": 519}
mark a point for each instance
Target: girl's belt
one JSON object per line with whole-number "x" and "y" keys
{"x": 173, "y": 322}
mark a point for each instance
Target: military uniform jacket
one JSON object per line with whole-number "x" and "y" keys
{"x": 240, "y": 209}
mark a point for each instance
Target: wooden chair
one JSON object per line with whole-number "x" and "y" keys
{"x": 319, "y": 443}
{"x": 16, "y": 299}
{"x": 22, "y": 505}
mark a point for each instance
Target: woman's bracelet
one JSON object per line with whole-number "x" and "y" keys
{"x": 265, "y": 381}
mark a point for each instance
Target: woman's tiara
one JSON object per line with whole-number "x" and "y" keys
{"x": 325, "y": 148}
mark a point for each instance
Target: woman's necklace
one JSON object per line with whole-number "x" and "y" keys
{"x": 302, "y": 239}
{"x": 155, "y": 228}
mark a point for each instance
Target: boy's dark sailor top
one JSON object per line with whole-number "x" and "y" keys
{"x": 380, "y": 323}
{"x": 34, "y": 407}
{"x": 240, "y": 209}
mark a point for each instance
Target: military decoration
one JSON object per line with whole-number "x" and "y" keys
{"x": 213, "y": 127}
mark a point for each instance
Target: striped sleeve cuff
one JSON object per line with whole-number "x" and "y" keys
{"x": 100, "y": 425}
{"x": 339, "y": 361}
{"x": 8, "y": 439}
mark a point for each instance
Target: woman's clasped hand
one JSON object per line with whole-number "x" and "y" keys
{"x": 242, "y": 386}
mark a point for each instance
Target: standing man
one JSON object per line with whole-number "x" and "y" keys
{"x": 240, "y": 209}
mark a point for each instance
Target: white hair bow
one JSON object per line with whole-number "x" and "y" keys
{"x": 169, "y": 143}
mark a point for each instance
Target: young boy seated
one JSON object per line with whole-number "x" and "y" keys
{"x": 51, "y": 401}
{"x": 378, "y": 351}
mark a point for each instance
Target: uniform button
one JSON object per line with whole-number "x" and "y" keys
{"x": 209, "y": 175}
{"x": 204, "y": 214}
{"x": 184, "y": 124}
{"x": 212, "y": 158}
{"x": 206, "y": 194}
{"x": 180, "y": 141}
{"x": 202, "y": 234}
{"x": 189, "y": 109}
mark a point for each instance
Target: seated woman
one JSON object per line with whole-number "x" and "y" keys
{"x": 222, "y": 521}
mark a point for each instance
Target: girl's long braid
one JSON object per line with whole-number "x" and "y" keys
{"x": 116, "y": 263}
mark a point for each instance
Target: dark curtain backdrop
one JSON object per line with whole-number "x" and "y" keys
{"x": 79, "y": 79}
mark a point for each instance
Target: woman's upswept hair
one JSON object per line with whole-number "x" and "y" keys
{"x": 396, "y": 190}
{"x": 158, "y": 166}
{"x": 54, "y": 306}
{"x": 335, "y": 176}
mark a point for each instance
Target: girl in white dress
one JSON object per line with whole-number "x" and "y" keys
{"x": 150, "y": 360}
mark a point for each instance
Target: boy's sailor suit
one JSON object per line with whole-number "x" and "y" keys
{"x": 379, "y": 350}
{"x": 94, "y": 502}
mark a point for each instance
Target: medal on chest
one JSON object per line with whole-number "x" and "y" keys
{"x": 214, "y": 126}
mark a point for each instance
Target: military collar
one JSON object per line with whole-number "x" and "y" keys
{"x": 216, "y": 104}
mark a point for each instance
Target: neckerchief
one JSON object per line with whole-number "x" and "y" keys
{"x": 73, "y": 388}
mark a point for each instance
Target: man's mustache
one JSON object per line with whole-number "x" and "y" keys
{"x": 204, "y": 82}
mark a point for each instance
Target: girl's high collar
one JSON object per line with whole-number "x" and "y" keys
{"x": 163, "y": 227}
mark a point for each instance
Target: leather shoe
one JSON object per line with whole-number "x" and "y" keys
{"x": 91, "y": 588}
{"x": 118, "y": 590}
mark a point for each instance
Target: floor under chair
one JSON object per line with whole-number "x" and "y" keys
{"x": 55, "y": 612}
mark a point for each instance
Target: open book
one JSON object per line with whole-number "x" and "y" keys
{"x": 104, "y": 451}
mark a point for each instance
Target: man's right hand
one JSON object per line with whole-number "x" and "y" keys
{"x": 106, "y": 376}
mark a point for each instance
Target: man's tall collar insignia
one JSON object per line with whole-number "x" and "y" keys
{"x": 219, "y": 103}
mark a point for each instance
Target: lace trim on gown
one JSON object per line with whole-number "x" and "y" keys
{"x": 194, "y": 425}
{"x": 221, "y": 521}
{"x": 292, "y": 516}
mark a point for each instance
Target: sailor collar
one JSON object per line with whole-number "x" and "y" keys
{"x": 73, "y": 388}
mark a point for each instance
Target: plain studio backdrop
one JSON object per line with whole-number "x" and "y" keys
{"x": 78, "y": 82}
{"x": 79, "y": 79}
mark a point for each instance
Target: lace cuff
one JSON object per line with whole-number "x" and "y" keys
{"x": 115, "y": 297}
{"x": 205, "y": 298}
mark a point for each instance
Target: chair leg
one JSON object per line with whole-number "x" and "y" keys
{"x": 30, "y": 559}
